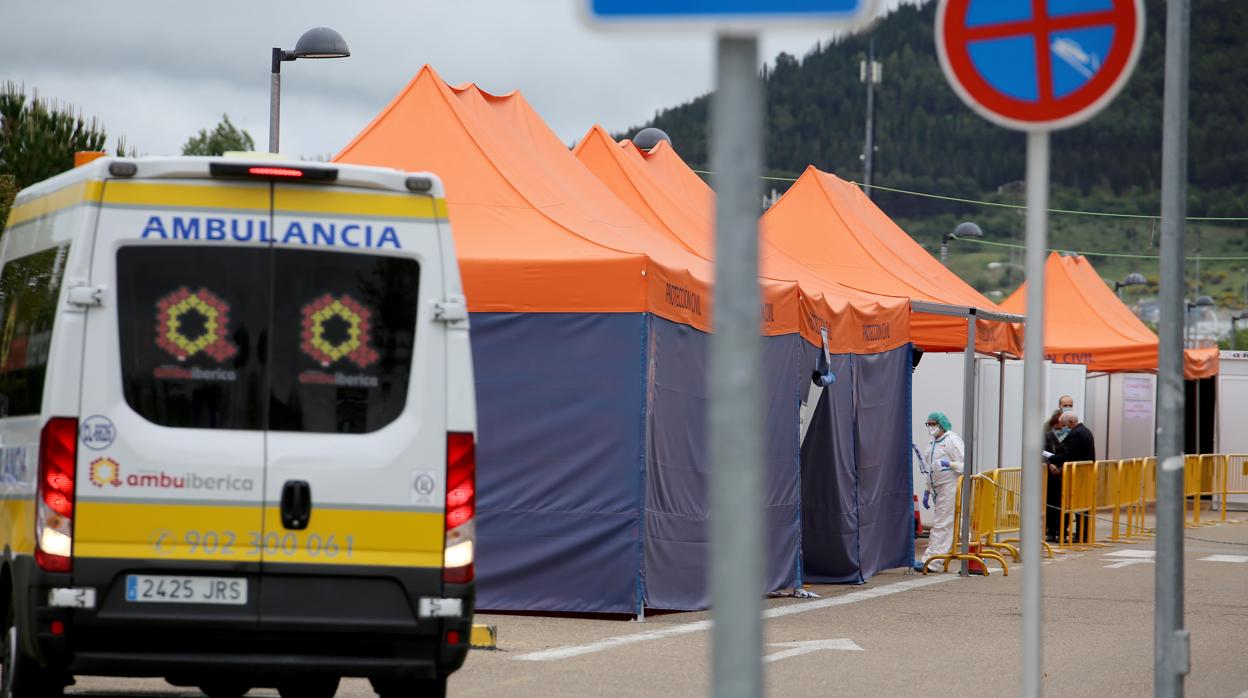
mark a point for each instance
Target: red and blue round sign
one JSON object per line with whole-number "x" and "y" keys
{"x": 1038, "y": 65}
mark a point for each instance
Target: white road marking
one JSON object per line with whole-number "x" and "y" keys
{"x": 1132, "y": 553}
{"x": 1127, "y": 563}
{"x": 1225, "y": 558}
{"x": 557, "y": 653}
{"x": 797, "y": 649}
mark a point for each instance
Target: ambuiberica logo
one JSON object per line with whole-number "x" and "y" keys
{"x": 338, "y": 329}
{"x": 191, "y": 324}
{"x": 106, "y": 472}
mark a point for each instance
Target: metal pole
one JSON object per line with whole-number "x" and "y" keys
{"x": 968, "y": 438}
{"x": 944, "y": 251}
{"x": 1001, "y": 413}
{"x": 275, "y": 98}
{"x": 1170, "y": 639}
{"x": 736, "y": 409}
{"x": 1032, "y": 529}
{"x": 868, "y": 150}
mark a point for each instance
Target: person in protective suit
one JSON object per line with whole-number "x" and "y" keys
{"x": 944, "y": 460}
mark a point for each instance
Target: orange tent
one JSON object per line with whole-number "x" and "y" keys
{"x": 830, "y": 227}
{"x": 536, "y": 232}
{"x": 858, "y": 322}
{"x": 1086, "y": 323}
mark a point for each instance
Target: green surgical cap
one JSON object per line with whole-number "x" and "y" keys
{"x": 941, "y": 419}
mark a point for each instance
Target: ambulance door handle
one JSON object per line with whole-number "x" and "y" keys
{"x": 296, "y": 504}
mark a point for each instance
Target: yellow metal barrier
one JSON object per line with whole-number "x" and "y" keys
{"x": 979, "y": 498}
{"x": 1195, "y": 485}
{"x": 1079, "y": 506}
{"x": 1130, "y": 500}
{"x": 1001, "y": 526}
{"x": 1234, "y": 479}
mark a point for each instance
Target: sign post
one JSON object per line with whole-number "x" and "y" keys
{"x": 1036, "y": 66}
{"x": 734, "y": 375}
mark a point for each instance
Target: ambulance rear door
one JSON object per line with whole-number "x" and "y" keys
{"x": 356, "y": 447}
{"x": 171, "y": 446}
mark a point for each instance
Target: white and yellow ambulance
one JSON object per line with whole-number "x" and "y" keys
{"x": 236, "y": 429}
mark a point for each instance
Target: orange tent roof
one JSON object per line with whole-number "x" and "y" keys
{"x": 534, "y": 231}
{"x": 829, "y": 226}
{"x": 1086, "y": 323}
{"x": 857, "y": 322}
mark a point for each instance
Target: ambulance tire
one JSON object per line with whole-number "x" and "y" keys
{"x": 417, "y": 688}
{"x": 22, "y": 676}
{"x": 309, "y": 687}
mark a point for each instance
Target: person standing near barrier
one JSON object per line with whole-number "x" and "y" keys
{"x": 944, "y": 461}
{"x": 1079, "y": 445}
{"x": 1053, "y": 436}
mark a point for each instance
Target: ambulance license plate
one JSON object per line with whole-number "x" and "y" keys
{"x": 143, "y": 588}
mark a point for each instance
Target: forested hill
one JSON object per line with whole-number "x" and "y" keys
{"x": 929, "y": 141}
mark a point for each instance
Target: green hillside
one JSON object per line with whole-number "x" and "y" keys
{"x": 930, "y": 142}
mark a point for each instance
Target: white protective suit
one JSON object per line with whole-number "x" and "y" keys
{"x": 943, "y": 483}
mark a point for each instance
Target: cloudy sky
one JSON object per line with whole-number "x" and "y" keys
{"x": 157, "y": 71}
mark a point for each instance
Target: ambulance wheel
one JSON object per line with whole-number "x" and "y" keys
{"x": 21, "y": 676}
{"x": 224, "y": 689}
{"x": 309, "y": 687}
{"x": 414, "y": 688}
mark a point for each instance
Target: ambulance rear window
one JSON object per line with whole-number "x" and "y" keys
{"x": 254, "y": 338}
{"x": 344, "y": 326}
{"x": 192, "y": 321}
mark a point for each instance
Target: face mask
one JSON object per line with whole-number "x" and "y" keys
{"x": 1061, "y": 433}
{"x": 1067, "y": 409}
{"x": 932, "y": 430}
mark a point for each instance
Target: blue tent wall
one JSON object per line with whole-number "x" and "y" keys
{"x": 885, "y": 491}
{"x": 677, "y": 553}
{"x": 857, "y": 506}
{"x": 560, "y": 404}
{"x": 829, "y": 486}
{"x": 587, "y": 420}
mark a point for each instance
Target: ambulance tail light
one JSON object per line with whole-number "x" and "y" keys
{"x": 461, "y": 508}
{"x": 54, "y": 499}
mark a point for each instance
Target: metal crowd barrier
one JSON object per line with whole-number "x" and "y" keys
{"x": 1123, "y": 488}
{"x": 980, "y": 499}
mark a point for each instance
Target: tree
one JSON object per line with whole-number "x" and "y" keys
{"x": 225, "y": 137}
{"x": 8, "y": 190}
{"x": 38, "y": 139}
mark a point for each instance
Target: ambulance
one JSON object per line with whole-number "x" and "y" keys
{"x": 237, "y": 429}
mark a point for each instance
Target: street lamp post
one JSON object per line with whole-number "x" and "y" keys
{"x": 963, "y": 231}
{"x": 1201, "y": 302}
{"x": 1133, "y": 279}
{"x": 320, "y": 42}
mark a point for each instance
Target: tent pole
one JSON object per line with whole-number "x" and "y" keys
{"x": 968, "y": 438}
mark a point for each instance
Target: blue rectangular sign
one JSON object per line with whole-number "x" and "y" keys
{"x": 732, "y": 11}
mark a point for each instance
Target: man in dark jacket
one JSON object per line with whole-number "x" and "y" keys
{"x": 1079, "y": 445}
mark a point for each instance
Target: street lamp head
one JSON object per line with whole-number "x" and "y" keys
{"x": 1133, "y": 279}
{"x": 647, "y": 138}
{"x": 1204, "y": 302}
{"x": 321, "y": 42}
{"x": 965, "y": 229}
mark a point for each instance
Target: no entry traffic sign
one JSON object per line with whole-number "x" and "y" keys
{"x": 1038, "y": 64}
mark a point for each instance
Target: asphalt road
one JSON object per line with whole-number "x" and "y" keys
{"x": 900, "y": 634}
